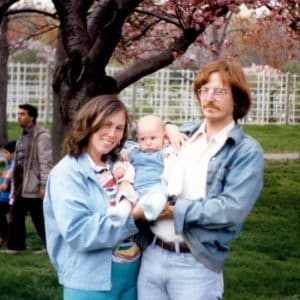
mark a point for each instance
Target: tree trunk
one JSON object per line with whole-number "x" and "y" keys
{"x": 57, "y": 125}
{"x": 3, "y": 80}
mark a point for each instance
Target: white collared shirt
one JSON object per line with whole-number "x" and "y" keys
{"x": 194, "y": 158}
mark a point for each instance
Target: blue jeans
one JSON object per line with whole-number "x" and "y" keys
{"x": 166, "y": 275}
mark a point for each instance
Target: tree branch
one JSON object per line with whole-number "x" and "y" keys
{"x": 225, "y": 28}
{"x": 109, "y": 32}
{"x": 156, "y": 62}
{"x": 74, "y": 31}
{"x": 102, "y": 14}
{"x": 163, "y": 18}
{"x": 4, "y": 6}
{"x": 29, "y": 10}
{"x": 39, "y": 33}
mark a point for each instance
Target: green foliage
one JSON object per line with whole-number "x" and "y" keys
{"x": 273, "y": 138}
{"x": 14, "y": 131}
{"x": 292, "y": 67}
{"x": 264, "y": 262}
{"x": 28, "y": 56}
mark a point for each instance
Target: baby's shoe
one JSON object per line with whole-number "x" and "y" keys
{"x": 153, "y": 203}
{"x": 119, "y": 214}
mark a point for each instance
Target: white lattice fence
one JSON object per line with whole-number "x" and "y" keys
{"x": 168, "y": 92}
{"x": 29, "y": 83}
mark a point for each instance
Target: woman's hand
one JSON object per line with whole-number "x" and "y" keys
{"x": 174, "y": 136}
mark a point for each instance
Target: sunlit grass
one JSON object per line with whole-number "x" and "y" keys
{"x": 276, "y": 138}
{"x": 264, "y": 261}
{"x": 273, "y": 138}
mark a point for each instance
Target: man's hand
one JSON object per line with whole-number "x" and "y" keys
{"x": 41, "y": 192}
{"x": 138, "y": 213}
{"x": 167, "y": 213}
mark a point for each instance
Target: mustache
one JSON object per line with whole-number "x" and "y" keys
{"x": 209, "y": 106}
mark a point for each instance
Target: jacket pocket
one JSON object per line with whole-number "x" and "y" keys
{"x": 216, "y": 178}
{"x": 32, "y": 184}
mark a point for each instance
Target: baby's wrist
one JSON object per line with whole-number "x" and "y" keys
{"x": 127, "y": 197}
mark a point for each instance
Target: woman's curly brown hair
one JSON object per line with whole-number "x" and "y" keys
{"x": 88, "y": 120}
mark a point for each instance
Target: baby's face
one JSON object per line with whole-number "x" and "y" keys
{"x": 150, "y": 138}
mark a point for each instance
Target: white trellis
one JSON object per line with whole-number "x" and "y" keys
{"x": 29, "y": 83}
{"x": 167, "y": 92}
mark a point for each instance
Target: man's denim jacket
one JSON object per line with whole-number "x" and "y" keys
{"x": 234, "y": 182}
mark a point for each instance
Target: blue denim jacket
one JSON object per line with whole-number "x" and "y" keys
{"x": 80, "y": 237}
{"x": 234, "y": 182}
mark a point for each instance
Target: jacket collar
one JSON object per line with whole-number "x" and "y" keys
{"x": 235, "y": 135}
{"x": 86, "y": 167}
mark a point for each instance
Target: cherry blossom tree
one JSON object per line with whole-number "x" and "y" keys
{"x": 145, "y": 35}
{"x": 263, "y": 42}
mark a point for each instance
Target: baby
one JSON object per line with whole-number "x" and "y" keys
{"x": 152, "y": 161}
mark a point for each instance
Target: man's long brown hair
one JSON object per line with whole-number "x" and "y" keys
{"x": 233, "y": 75}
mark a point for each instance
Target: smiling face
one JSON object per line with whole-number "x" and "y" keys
{"x": 216, "y": 100}
{"x": 107, "y": 136}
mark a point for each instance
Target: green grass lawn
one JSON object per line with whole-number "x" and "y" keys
{"x": 276, "y": 138}
{"x": 265, "y": 258}
{"x": 273, "y": 138}
{"x": 264, "y": 262}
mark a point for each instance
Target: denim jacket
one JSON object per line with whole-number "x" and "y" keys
{"x": 80, "y": 237}
{"x": 234, "y": 182}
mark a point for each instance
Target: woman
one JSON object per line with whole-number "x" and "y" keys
{"x": 93, "y": 258}
{"x": 223, "y": 177}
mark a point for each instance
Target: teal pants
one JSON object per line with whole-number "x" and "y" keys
{"x": 124, "y": 285}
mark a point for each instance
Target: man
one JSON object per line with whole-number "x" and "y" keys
{"x": 222, "y": 178}
{"x": 33, "y": 162}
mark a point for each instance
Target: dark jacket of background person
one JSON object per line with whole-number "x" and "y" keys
{"x": 37, "y": 164}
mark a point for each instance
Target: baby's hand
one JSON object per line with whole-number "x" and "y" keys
{"x": 119, "y": 173}
{"x": 126, "y": 188}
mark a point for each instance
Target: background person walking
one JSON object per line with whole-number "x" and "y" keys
{"x": 33, "y": 162}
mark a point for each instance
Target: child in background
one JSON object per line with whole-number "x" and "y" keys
{"x": 152, "y": 161}
{"x": 5, "y": 183}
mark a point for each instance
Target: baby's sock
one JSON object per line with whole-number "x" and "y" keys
{"x": 153, "y": 204}
{"x": 119, "y": 214}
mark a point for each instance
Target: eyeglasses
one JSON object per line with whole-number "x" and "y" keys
{"x": 216, "y": 92}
